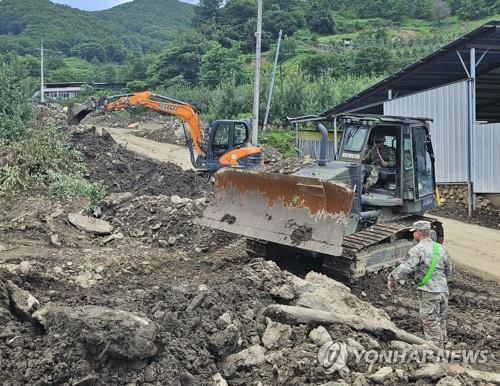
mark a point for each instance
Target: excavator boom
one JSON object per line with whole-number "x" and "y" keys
{"x": 159, "y": 103}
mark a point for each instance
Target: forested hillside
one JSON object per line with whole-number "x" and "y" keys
{"x": 204, "y": 53}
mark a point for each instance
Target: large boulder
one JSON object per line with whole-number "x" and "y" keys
{"x": 23, "y": 303}
{"x": 102, "y": 330}
{"x": 90, "y": 224}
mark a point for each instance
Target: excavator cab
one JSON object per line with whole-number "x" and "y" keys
{"x": 228, "y": 145}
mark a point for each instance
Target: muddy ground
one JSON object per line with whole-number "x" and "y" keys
{"x": 199, "y": 292}
{"x": 487, "y": 218}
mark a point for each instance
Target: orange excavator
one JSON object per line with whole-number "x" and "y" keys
{"x": 225, "y": 143}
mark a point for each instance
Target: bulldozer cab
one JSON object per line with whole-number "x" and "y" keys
{"x": 409, "y": 181}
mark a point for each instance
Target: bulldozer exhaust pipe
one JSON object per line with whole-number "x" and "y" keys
{"x": 324, "y": 145}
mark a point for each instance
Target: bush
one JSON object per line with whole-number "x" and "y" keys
{"x": 281, "y": 140}
{"x": 64, "y": 187}
{"x": 15, "y": 109}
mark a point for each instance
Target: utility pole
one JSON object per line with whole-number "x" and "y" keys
{"x": 271, "y": 86}
{"x": 42, "y": 86}
{"x": 256, "y": 90}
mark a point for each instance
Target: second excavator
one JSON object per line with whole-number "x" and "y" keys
{"x": 225, "y": 143}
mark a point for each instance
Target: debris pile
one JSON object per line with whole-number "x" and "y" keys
{"x": 164, "y": 221}
{"x": 119, "y": 170}
{"x": 243, "y": 324}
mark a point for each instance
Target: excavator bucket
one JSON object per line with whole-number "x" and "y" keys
{"x": 76, "y": 112}
{"x": 300, "y": 212}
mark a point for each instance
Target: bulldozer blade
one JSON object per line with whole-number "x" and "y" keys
{"x": 300, "y": 212}
{"x": 76, "y": 112}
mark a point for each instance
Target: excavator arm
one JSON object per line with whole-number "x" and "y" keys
{"x": 159, "y": 103}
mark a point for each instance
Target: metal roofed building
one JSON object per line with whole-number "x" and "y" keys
{"x": 458, "y": 86}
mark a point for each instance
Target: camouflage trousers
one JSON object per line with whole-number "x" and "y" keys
{"x": 433, "y": 311}
{"x": 373, "y": 177}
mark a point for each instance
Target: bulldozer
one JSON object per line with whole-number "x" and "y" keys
{"x": 224, "y": 143}
{"x": 322, "y": 213}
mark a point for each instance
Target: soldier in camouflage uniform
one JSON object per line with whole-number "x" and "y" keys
{"x": 378, "y": 156}
{"x": 433, "y": 287}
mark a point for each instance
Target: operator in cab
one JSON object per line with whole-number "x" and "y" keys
{"x": 377, "y": 157}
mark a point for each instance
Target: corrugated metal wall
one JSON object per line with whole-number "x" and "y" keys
{"x": 448, "y": 107}
{"x": 487, "y": 158}
{"x": 309, "y": 144}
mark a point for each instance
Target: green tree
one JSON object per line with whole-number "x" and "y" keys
{"x": 207, "y": 10}
{"x": 473, "y": 10}
{"x": 183, "y": 59}
{"x": 219, "y": 64}
{"x": 374, "y": 60}
{"x": 319, "y": 19}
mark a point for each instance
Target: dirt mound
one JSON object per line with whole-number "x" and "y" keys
{"x": 166, "y": 222}
{"x": 119, "y": 170}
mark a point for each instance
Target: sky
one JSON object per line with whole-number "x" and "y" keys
{"x": 96, "y": 5}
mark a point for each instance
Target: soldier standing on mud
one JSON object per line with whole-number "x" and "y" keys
{"x": 431, "y": 265}
{"x": 378, "y": 156}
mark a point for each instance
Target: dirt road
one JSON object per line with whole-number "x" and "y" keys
{"x": 473, "y": 246}
{"x": 164, "y": 152}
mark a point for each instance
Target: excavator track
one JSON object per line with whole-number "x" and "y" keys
{"x": 380, "y": 246}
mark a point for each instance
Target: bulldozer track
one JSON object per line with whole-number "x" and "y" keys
{"x": 378, "y": 247}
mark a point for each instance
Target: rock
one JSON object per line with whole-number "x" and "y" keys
{"x": 363, "y": 293}
{"x": 172, "y": 240}
{"x": 449, "y": 381}
{"x": 218, "y": 380}
{"x": 25, "y": 267}
{"x": 85, "y": 280}
{"x": 115, "y": 199}
{"x": 102, "y": 330}
{"x": 225, "y": 342}
{"x": 400, "y": 373}
{"x": 149, "y": 374}
{"x": 226, "y": 317}
{"x": 431, "y": 371}
{"x": 198, "y": 250}
{"x": 114, "y": 236}
{"x": 381, "y": 375}
{"x": 338, "y": 383}
{"x": 99, "y": 269}
{"x": 89, "y": 224}
{"x": 249, "y": 357}
{"x": 276, "y": 334}
{"x": 320, "y": 336}
{"x": 3, "y": 248}
{"x": 23, "y": 303}
{"x": 133, "y": 126}
{"x": 355, "y": 345}
{"x": 54, "y": 240}
{"x": 283, "y": 292}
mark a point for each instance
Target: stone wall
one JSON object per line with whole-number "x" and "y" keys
{"x": 457, "y": 195}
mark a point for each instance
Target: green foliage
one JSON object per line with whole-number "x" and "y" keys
{"x": 374, "y": 60}
{"x": 34, "y": 152}
{"x": 182, "y": 60}
{"x": 105, "y": 35}
{"x": 319, "y": 20}
{"x": 220, "y": 63}
{"x": 15, "y": 111}
{"x": 64, "y": 187}
{"x": 281, "y": 140}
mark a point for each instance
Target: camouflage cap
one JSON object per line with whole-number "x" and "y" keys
{"x": 421, "y": 226}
